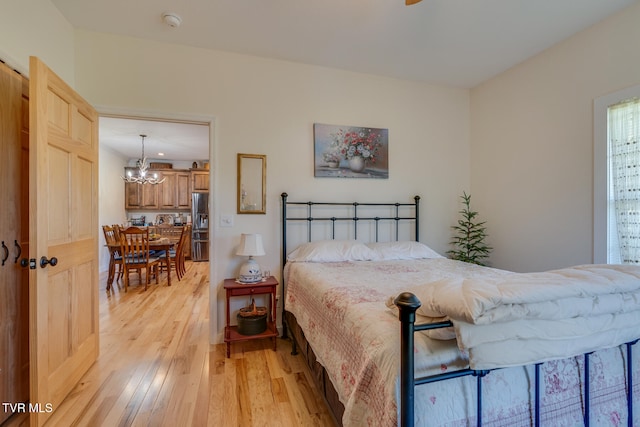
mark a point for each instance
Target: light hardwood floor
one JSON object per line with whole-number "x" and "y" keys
{"x": 156, "y": 367}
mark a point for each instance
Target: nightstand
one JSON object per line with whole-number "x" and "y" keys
{"x": 236, "y": 289}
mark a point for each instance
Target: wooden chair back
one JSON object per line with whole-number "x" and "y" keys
{"x": 178, "y": 256}
{"x": 169, "y": 231}
{"x": 116, "y": 231}
{"x": 109, "y": 235}
{"x": 134, "y": 243}
{"x": 112, "y": 238}
{"x": 183, "y": 238}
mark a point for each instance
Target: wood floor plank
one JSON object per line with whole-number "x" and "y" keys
{"x": 157, "y": 368}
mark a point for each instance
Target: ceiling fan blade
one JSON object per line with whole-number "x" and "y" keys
{"x": 410, "y": 2}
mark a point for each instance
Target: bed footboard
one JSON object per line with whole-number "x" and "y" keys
{"x": 408, "y": 303}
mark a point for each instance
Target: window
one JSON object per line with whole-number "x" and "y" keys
{"x": 617, "y": 177}
{"x": 624, "y": 176}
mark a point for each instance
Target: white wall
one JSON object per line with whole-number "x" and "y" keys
{"x": 36, "y": 28}
{"x": 111, "y": 196}
{"x": 532, "y": 145}
{"x": 265, "y": 106}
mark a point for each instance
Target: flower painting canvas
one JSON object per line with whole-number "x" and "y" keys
{"x": 350, "y": 151}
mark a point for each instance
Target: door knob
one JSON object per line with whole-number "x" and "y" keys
{"x": 44, "y": 261}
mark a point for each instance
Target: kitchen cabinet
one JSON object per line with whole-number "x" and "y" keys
{"x": 183, "y": 190}
{"x": 139, "y": 196}
{"x": 167, "y": 190}
{"x": 173, "y": 193}
{"x": 199, "y": 180}
{"x": 132, "y": 195}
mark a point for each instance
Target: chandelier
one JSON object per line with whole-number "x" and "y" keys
{"x": 140, "y": 177}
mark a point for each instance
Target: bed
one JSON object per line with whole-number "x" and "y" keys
{"x": 350, "y": 275}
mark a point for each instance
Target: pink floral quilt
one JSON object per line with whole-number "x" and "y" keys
{"x": 356, "y": 337}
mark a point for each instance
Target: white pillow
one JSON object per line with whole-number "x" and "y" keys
{"x": 331, "y": 251}
{"x": 402, "y": 250}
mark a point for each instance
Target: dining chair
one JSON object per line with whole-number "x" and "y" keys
{"x": 134, "y": 243}
{"x": 169, "y": 231}
{"x": 176, "y": 254}
{"x": 112, "y": 237}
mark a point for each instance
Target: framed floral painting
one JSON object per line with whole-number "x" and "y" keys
{"x": 350, "y": 151}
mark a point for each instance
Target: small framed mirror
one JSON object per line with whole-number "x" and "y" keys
{"x": 252, "y": 185}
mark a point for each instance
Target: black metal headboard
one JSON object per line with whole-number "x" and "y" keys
{"x": 354, "y": 219}
{"x": 357, "y": 214}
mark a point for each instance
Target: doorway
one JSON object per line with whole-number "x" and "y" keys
{"x": 185, "y": 141}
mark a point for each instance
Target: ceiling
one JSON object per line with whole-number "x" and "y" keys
{"x": 447, "y": 42}
{"x": 458, "y": 43}
{"x": 178, "y": 141}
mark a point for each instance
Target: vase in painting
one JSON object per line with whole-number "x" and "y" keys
{"x": 357, "y": 163}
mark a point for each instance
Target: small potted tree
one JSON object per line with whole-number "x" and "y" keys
{"x": 469, "y": 239}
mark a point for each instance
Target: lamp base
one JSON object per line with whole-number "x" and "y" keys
{"x": 250, "y": 272}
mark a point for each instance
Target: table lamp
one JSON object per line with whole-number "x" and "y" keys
{"x": 250, "y": 245}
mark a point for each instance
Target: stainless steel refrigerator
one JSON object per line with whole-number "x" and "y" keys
{"x": 200, "y": 226}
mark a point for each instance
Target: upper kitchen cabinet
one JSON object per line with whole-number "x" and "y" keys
{"x": 200, "y": 181}
{"x": 140, "y": 196}
{"x": 183, "y": 189}
{"x": 175, "y": 192}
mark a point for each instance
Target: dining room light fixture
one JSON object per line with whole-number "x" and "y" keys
{"x": 140, "y": 177}
{"x": 410, "y": 2}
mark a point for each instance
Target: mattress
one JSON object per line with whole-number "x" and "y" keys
{"x": 341, "y": 307}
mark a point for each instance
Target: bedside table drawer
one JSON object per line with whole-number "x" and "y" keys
{"x": 249, "y": 290}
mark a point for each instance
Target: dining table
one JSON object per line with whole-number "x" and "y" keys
{"x": 161, "y": 244}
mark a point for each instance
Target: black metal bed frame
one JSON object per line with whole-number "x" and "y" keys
{"x": 408, "y": 303}
{"x": 355, "y": 219}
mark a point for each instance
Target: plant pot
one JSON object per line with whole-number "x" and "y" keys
{"x": 357, "y": 163}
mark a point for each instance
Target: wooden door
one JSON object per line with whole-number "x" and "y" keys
{"x": 14, "y": 234}
{"x": 63, "y": 203}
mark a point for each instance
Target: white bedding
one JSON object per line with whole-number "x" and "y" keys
{"x": 559, "y": 294}
{"x": 341, "y": 306}
{"x": 562, "y": 313}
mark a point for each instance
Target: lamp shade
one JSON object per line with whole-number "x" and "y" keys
{"x": 250, "y": 245}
